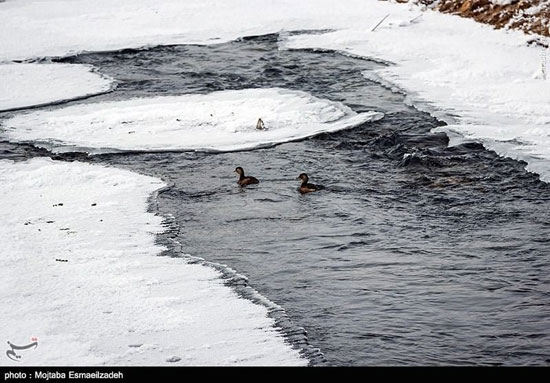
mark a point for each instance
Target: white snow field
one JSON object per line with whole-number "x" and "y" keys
{"x": 219, "y": 121}
{"x": 80, "y": 273}
{"x": 26, "y": 85}
{"x": 38, "y": 28}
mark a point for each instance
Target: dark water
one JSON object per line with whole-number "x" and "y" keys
{"x": 415, "y": 253}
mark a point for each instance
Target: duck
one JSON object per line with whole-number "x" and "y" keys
{"x": 305, "y": 187}
{"x": 243, "y": 180}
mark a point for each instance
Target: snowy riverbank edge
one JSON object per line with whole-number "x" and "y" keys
{"x": 81, "y": 276}
{"x": 532, "y": 16}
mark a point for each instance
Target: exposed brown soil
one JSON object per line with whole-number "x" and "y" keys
{"x": 530, "y": 16}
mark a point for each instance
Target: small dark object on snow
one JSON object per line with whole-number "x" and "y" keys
{"x": 260, "y": 125}
{"x": 61, "y": 260}
{"x": 173, "y": 359}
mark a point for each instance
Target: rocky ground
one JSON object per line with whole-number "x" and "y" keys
{"x": 530, "y": 16}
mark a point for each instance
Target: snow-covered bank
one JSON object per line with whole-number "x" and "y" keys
{"x": 38, "y": 28}
{"x": 81, "y": 275}
{"x": 26, "y": 85}
{"x": 219, "y": 121}
{"x": 480, "y": 81}
{"x": 531, "y": 16}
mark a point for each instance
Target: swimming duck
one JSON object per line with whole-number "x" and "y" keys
{"x": 243, "y": 180}
{"x": 305, "y": 187}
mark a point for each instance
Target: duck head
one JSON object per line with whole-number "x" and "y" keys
{"x": 303, "y": 177}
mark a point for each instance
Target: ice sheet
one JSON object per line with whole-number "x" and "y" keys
{"x": 219, "y": 121}
{"x": 26, "y": 85}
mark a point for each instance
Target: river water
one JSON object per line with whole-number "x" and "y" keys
{"x": 415, "y": 253}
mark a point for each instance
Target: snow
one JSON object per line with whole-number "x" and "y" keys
{"x": 113, "y": 302}
{"x": 502, "y": 2}
{"x": 38, "y": 28}
{"x": 25, "y": 85}
{"x": 219, "y": 121}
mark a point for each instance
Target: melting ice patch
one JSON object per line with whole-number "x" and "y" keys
{"x": 26, "y": 85}
{"x": 219, "y": 121}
